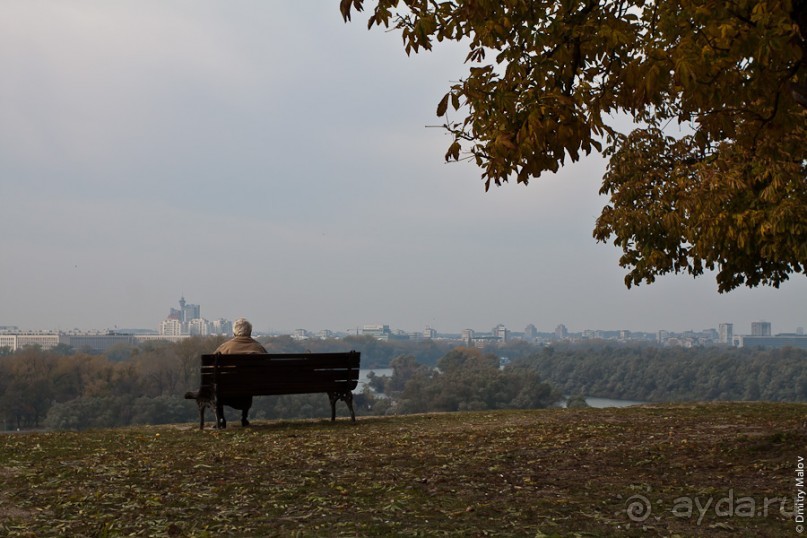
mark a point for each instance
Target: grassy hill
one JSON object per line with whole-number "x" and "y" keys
{"x": 659, "y": 470}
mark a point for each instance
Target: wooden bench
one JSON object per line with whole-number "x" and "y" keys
{"x": 233, "y": 380}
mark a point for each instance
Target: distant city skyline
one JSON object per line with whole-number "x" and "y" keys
{"x": 188, "y": 311}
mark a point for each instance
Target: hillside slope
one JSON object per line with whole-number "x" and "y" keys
{"x": 658, "y": 470}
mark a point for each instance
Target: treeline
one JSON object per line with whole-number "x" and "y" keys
{"x": 130, "y": 385}
{"x": 64, "y": 389}
{"x": 654, "y": 374}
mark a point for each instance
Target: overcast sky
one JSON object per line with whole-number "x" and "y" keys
{"x": 266, "y": 160}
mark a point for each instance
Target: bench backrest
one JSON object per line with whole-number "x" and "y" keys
{"x": 283, "y": 373}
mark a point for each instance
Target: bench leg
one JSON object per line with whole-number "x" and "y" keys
{"x": 348, "y": 399}
{"x": 202, "y": 402}
{"x": 333, "y": 397}
{"x": 221, "y": 422}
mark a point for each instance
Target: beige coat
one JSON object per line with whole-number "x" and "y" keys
{"x": 239, "y": 345}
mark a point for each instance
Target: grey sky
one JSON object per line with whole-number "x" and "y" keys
{"x": 267, "y": 160}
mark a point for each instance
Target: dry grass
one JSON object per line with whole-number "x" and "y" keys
{"x": 506, "y": 473}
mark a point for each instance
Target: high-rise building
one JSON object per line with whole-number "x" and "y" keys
{"x": 191, "y": 312}
{"x": 221, "y": 326}
{"x": 171, "y": 327}
{"x": 726, "y": 333}
{"x": 561, "y": 332}
{"x": 761, "y": 328}
{"x": 198, "y": 327}
{"x": 624, "y": 335}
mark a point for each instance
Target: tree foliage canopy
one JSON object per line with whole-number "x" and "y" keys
{"x": 551, "y": 79}
{"x": 656, "y": 374}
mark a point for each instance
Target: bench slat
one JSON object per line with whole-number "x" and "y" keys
{"x": 280, "y": 373}
{"x": 241, "y": 390}
{"x": 350, "y": 359}
{"x": 287, "y": 369}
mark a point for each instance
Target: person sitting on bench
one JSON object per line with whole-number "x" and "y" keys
{"x": 242, "y": 341}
